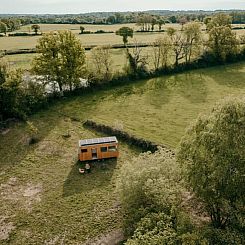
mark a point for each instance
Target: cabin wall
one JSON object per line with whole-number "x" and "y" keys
{"x": 85, "y": 156}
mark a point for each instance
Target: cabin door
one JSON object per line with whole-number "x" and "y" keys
{"x": 94, "y": 153}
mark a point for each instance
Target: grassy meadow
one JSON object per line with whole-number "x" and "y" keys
{"x": 51, "y": 203}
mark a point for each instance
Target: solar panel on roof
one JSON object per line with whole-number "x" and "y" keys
{"x": 95, "y": 141}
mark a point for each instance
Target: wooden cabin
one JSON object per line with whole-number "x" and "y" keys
{"x": 98, "y": 148}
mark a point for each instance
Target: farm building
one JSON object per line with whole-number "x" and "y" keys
{"x": 98, "y": 148}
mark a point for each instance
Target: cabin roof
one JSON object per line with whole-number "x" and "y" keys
{"x": 96, "y": 141}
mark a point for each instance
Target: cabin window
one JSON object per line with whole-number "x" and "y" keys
{"x": 112, "y": 148}
{"x": 84, "y": 150}
{"x": 103, "y": 149}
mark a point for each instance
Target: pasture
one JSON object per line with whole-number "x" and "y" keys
{"x": 50, "y": 201}
{"x": 118, "y": 56}
{"x": 11, "y": 43}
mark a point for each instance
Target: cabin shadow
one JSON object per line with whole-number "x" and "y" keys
{"x": 100, "y": 176}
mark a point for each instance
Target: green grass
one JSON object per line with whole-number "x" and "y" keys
{"x": 73, "y": 207}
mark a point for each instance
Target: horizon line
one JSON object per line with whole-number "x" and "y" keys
{"x": 128, "y": 11}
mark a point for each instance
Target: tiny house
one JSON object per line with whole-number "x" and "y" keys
{"x": 98, "y": 148}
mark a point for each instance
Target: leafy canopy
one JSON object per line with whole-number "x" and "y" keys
{"x": 125, "y": 32}
{"x": 212, "y": 153}
{"x": 61, "y": 59}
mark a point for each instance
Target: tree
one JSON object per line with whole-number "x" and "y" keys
{"x": 172, "y": 19}
{"x": 102, "y": 62}
{"x": 160, "y": 52}
{"x": 35, "y": 28}
{"x": 160, "y": 22}
{"x": 61, "y": 59}
{"x": 182, "y": 21}
{"x": 10, "y": 90}
{"x": 222, "y": 41}
{"x": 3, "y": 28}
{"x": 212, "y": 154}
{"x": 137, "y": 61}
{"x": 192, "y": 32}
{"x": 125, "y": 32}
{"x": 82, "y": 28}
{"x": 111, "y": 19}
{"x": 153, "y": 23}
{"x": 178, "y": 44}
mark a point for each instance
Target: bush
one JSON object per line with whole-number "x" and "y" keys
{"x": 223, "y": 236}
{"x": 85, "y": 32}
{"x": 151, "y": 183}
{"x": 151, "y": 191}
{"x": 237, "y": 28}
{"x": 17, "y": 34}
{"x": 102, "y": 31}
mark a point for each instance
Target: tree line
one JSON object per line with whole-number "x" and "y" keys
{"x": 146, "y": 20}
{"x": 61, "y": 63}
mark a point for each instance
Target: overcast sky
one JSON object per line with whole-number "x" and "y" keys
{"x": 83, "y": 6}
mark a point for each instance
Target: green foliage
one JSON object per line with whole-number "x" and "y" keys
{"x": 61, "y": 59}
{"x": 18, "y": 97}
{"x": 35, "y": 28}
{"x": 212, "y": 154}
{"x": 149, "y": 182}
{"x": 222, "y": 41}
{"x": 82, "y": 28}
{"x": 10, "y": 92}
{"x": 193, "y": 38}
{"x": 223, "y": 236}
{"x": 125, "y": 32}
{"x": 155, "y": 229}
{"x": 3, "y": 27}
{"x": 34, "y": 96}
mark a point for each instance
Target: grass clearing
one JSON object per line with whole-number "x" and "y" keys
{"x": 44, "y": 200}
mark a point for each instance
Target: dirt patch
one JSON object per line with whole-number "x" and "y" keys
{"x": 195, "y": 209}
{"x": 59, "y": 239}
{"x": 112, "y": 238}
{"x": 23, "y": 195}
{"x": 5, "y": 228}
{"x": 5, "y": 131}
{"x": 49, "y": 148}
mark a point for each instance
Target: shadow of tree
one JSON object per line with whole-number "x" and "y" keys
{"x": 189, "y": 85}
{"x": 101, "y": 173}
{"x": 229, "y": 75}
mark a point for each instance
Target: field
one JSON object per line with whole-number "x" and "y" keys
{"x": 23, "y": 61}
{"x": 118, "y": 57}
{"x": 50, "y": 202}
{"x": 10, "y": 43}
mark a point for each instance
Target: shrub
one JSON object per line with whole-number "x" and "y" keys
{"x": 150, "y": 183}
{"x": 17, "y": 34}
{"x": 102, "y": 31}
{"x": 85, "y": 32}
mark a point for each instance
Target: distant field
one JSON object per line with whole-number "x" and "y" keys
{"x": 44, "y": 199}
{"x": 9, "y": 43}
{"x": 24, "y": 61}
